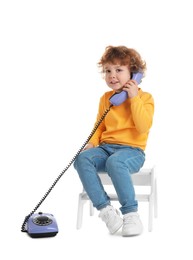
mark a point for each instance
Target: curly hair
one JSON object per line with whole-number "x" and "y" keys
{"x": 123, "y": 56}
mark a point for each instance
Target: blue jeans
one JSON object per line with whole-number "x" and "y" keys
{"x": 119, "y": 161}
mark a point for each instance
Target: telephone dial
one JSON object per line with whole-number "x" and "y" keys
{"x": 44, "y": 224}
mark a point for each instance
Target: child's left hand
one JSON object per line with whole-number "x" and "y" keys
{"x": 132, "y": 88}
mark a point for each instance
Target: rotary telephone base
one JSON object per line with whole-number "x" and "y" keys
{"x": 42, "y": 225}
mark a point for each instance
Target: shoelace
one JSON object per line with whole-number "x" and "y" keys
{"x": 129, "y": 220}
{"x": 109, "y": 213}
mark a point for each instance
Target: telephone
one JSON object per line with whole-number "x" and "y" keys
{"x": 44, "y": 224}
{"x": 119, "y": 98}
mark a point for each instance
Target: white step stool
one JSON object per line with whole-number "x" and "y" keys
{"x": 145, "y": 177}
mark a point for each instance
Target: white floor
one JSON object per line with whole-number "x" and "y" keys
{"x": 50, "y": 89}
{"x": 170, "y": 237}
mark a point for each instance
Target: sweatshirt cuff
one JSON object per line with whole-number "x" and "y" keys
{"x": 134, "y": 99}
{"x": 93, "y": 143}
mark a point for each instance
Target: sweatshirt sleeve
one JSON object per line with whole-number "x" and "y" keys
{"x": 95, "y": 139}
{"x": 142, "y": 108}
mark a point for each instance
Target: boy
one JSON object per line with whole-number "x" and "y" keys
{"x": 118, "y": 144}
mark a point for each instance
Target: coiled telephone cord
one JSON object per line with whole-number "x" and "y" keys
{"x": 23, "y": 227}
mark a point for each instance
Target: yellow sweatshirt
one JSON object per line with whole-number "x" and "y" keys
{"x": 126, "y": 124}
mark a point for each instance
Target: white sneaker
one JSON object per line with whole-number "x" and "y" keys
{"x": 112, "y": 218}
{"x": 132, "y": 224}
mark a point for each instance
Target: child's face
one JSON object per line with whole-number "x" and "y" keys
{"x": 116, "y": 76}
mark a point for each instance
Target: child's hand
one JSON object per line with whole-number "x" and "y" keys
{"x": 88, "y": 146}
{"x": 132, "y": 88}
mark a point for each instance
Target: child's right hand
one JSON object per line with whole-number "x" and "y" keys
{"x": 88, "y": 146}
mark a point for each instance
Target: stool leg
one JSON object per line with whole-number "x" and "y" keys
{"x": 150, "y": 220}
{"x": 80, "y": 211}
{"x": 91, "y": 209}
{"x": 155, "y": 200}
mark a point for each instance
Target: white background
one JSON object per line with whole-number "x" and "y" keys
{"x": 50, "y": 87}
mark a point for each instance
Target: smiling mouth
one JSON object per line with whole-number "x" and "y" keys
{"x": 114, "y": 82}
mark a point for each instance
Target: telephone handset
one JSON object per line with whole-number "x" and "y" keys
{"x": 119, "y": 98}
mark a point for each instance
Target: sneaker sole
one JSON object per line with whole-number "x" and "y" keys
{"x": 130, "y": 234}
{"x": 117, "y": 227}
